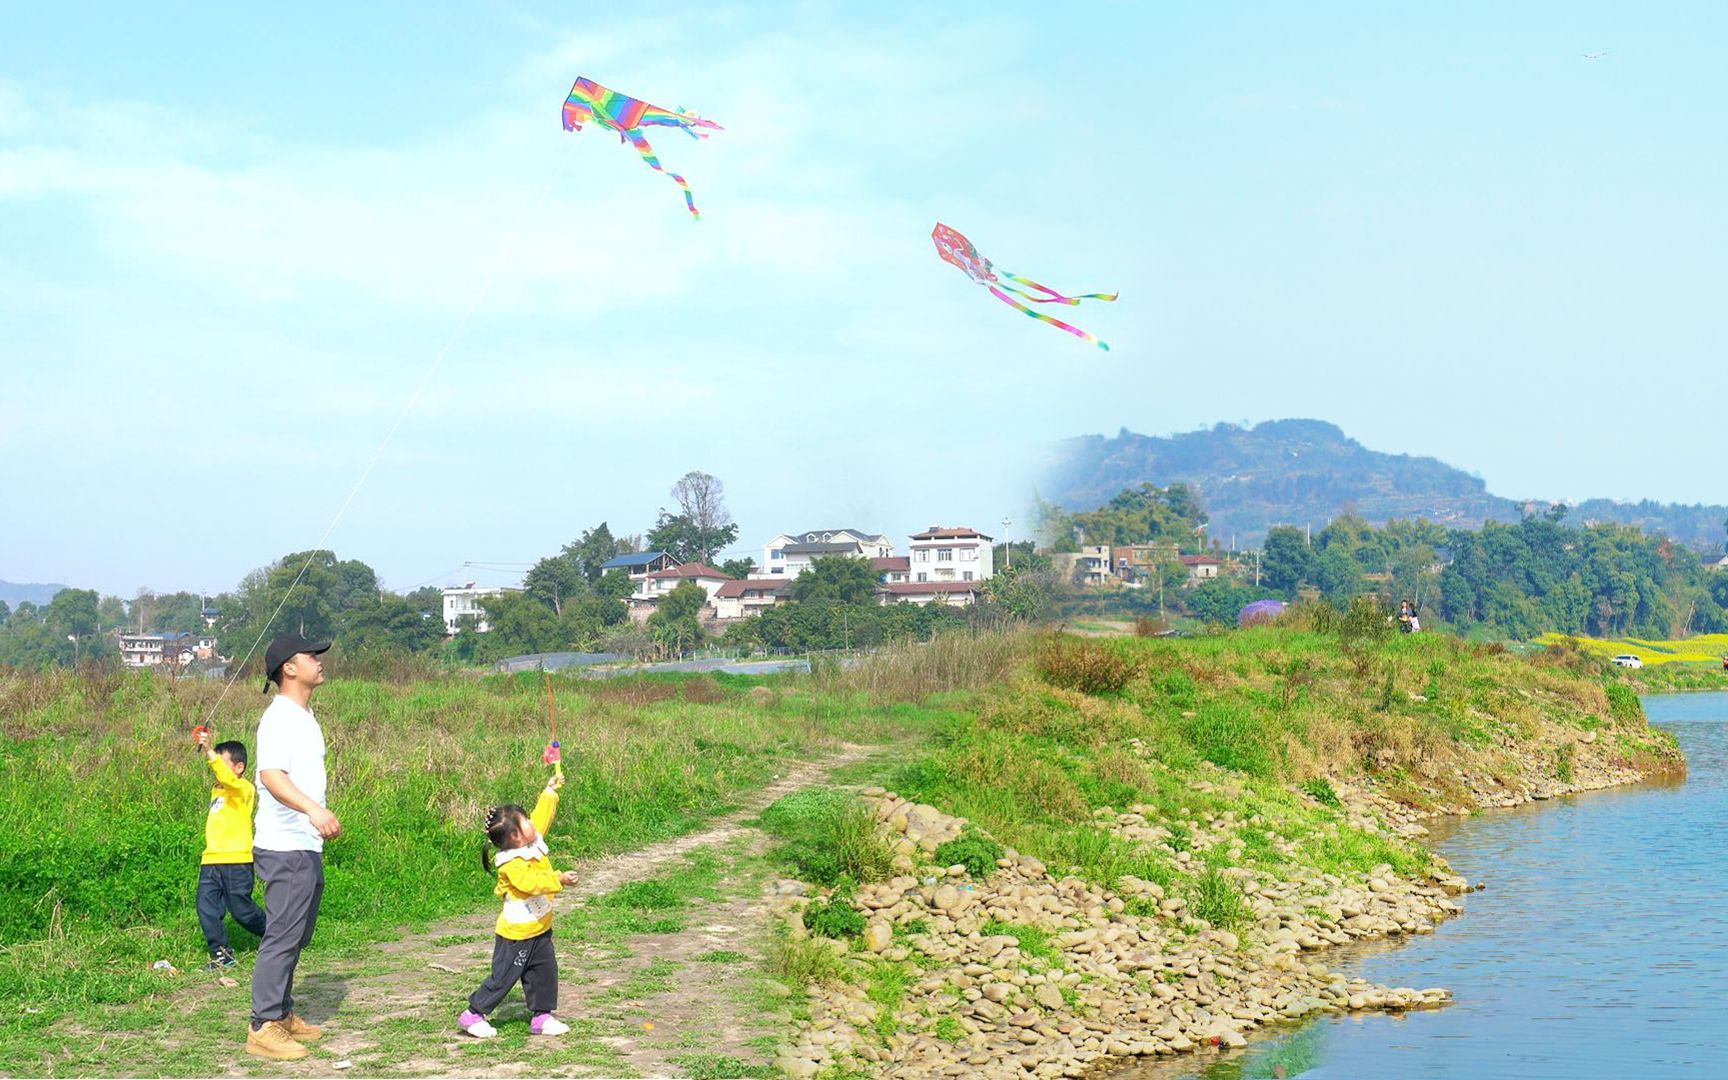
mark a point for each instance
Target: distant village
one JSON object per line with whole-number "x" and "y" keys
{"x": 942, "y": 565}
{"x": 946, "y": 565}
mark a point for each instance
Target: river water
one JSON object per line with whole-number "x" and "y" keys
{"x": 1599, "y": 948}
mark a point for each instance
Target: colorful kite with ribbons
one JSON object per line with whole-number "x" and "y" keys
{"x": 956, "y": 250}
{"x": 589, "y": 101}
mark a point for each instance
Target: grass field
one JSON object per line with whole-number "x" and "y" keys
{"x": 102, "y": 797}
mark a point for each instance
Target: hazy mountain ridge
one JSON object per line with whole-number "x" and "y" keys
{"x": 12, "y": 593}
{"x": 1306, "y": 472}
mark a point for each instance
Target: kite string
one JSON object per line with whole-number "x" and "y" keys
{"x": 480, "y": 296}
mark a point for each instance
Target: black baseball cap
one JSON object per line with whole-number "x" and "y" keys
{"x": 284, "y": 649}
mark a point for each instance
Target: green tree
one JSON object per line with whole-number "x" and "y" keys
{"x": 110, "y": 613}
{"x": 73, "y": 611}
{"x": 676, "y": 621}
{"x": 738, "y": 568}
{"x": 390, "y": 624}
{"x": 684, "y": 540}
{"x": 1285, "y": 560}
{"x": 839, "y": 578}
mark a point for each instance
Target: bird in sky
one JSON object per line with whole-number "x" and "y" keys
{"x": 1594, "y": 55}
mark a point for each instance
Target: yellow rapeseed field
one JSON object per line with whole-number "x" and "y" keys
{"x": 1705, "y": 648}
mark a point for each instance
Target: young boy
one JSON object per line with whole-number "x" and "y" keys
{"x": 225, "y": 876}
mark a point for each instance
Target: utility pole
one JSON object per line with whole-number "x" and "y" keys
{"x": 1256, "y": 568}
{"x": 1007, "y": 548}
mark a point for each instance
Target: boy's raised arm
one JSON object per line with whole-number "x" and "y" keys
{"x": 224, "y": 773}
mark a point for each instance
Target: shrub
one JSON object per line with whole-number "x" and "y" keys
{"x": 833, "y": 917}
{"x": 827, "y": 835}
{"x": 1091, "y": 667}
{"x": 1321, "y": 789}
{"x": 1623, "y": 704}
{"x": 799, "y": 962}
{"x": 1218, "y": 900}
{"x": 973, "y": 850}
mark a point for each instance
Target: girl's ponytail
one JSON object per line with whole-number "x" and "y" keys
{"x": 500, "y": 826}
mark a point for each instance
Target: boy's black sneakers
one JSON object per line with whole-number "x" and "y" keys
{"x": 221, "y": 958}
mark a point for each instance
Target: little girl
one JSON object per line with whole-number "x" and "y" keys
{"x": 523, "y": 946}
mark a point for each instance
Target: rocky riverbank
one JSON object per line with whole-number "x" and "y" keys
{"x": 1025, "y": 971}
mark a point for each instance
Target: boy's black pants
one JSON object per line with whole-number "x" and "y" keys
{"x": 533, "y": 961}
{"x": 226, "y": 887}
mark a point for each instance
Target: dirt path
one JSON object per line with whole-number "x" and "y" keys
{"x": 685, "y": 998}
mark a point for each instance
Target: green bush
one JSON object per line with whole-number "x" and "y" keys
{"x": 833, "y": 917}
{"x": 827, "y": 835}
{"x": 1623, "y": 704}
{"x": 1321, "y": 789}
{"x": 973, "y": 850}
{"x": 1218, "y": 900}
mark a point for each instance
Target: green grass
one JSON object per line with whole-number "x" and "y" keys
{"x": 1034, "y": 943}
{"x": 100, "y": 877}
{"x": 826, "y": 836}
{"x": 721, "y": 1067}
{"x": 722, "y": 956}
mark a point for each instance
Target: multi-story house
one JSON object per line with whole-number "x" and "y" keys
{"x": 651, "y": 588}
{"x": 790, "y": 554}
{"x": 469, "y": 600}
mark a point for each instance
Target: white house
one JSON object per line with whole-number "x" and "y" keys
{"x": 467, "y": 600}
{"x": 174, "y": 649}
{"x": 1201, "y": 567}
{"x": 951, "y": 553}
{"x": 652, "y": 587}
{"x": 790, "y": 554}
{"x": 742, "y": 599}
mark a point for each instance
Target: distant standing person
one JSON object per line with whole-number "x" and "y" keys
{"x": 288, "y": 848}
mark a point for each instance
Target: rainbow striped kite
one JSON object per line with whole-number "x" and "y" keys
{"x": 627, "y": 116}
{"x": 956, "y": 250}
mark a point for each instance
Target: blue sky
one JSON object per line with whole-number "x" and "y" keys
{"x": 233, "y": 240}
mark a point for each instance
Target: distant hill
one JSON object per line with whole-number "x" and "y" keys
{"x": 12, "y": 593}
{"x": 1306, "y": 472}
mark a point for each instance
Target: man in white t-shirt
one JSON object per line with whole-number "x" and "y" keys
{"x": 288, "y": 842}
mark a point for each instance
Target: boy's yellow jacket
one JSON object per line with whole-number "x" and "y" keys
{"x": 228, "y": 829}
{"x": 526, "y": 879}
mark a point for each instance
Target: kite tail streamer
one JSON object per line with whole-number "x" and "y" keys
{"x": 1041, "y": 317}
{"x": 641, "y": 144}
{"x": 1051, "y": 295}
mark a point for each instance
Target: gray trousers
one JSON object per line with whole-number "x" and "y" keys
{"x": 293, "y": 885}
{"x": 533, "y": 961}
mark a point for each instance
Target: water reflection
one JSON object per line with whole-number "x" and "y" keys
{"x": 1599, "y": 948}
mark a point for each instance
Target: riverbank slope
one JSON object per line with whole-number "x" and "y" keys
{"x": 1132, "y": 848}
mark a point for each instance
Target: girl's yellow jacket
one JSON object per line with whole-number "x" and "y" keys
{"x": 526, "y": 879}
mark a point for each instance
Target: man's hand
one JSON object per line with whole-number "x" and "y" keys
{"x": 568, "y": 877}
{"x": 325, "y": 822}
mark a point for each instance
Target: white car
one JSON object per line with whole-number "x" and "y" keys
{"x": 1627, "y": 660}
